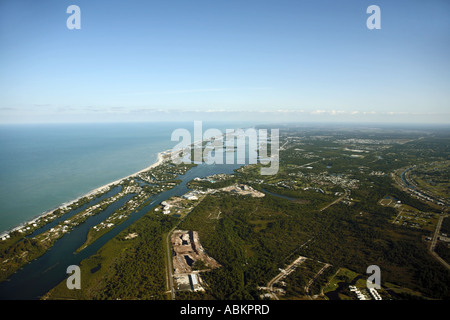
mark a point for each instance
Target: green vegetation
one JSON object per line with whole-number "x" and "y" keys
{"x": 252, "y": 238}
{"x": 328, "y": 202}
{"x": 23, "y": 250}
{"x": 445, "y": 227}
{"x": 19, "y": 254}
{"x": 298, "y": 280}
{"x": 19, "y": 250}
{"x": 434, "y": 177}
{"x": 26, "y": 230}
{"x": 443, "y": 250}
{"x": 125, "y": 268}
{"x": 322, "y": 280}
{"x": 337, "y": 288}
{"x": 245, "y": 239}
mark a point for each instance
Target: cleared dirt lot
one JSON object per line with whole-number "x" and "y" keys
{"x": 187, "y": 251}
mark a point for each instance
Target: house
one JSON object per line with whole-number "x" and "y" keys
{"x": 375, "y": 294}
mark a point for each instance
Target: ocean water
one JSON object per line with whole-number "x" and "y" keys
{"x": 34, "y": 279}
{"x": 45, "y": 165}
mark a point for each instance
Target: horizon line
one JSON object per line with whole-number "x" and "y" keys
{"x": 259, "y": 122}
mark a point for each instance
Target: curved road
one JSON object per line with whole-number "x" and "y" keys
{"x": 315, "y": 277}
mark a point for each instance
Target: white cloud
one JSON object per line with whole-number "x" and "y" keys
{"x": 318, "y": 112}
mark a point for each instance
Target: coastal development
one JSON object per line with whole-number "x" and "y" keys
{"x": 30, "y": 240}
{"x": 341, "y": 201}
{"x": 46, "y": 217}
{"x": 226, "y": 157}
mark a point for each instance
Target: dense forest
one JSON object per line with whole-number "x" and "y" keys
{"x": 126, "y": 268}
{"x": 254, "y": 237}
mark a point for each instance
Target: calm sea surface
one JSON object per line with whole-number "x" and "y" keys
{"x": 43, "y": 166}
{"x": 106, "y": 152}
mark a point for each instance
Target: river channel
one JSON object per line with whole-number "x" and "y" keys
{"x": 36, "y": 278}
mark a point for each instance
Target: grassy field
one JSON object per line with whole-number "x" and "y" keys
{"x": 344, "y": 276}
{"x": 434, "y": 177}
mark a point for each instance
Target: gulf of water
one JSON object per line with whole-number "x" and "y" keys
{"x": 40, "y": 275}
{"x": 45, "y": 165}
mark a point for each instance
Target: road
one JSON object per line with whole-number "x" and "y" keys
{"x": 399, "y": 214}
{"x": 282, "y": 147}
{"x": 286, "y": 271}
{"x": 335, "y": 201}
{"x": 308, "y": 164}
{"x": 169, "y": 265}
{"x": 433, "y": 242}
{"x": 315, "y": 277}
{"x": 283, "y": 273}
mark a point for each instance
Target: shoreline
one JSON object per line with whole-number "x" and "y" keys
{"x": 161, "y": 157}
{"x": 160, "y": 160}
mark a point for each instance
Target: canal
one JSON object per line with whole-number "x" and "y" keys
{"x": 40, "y": 275}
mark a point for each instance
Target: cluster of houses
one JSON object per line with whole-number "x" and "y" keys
{"x": 424, "y": 196}
{"x": 323, "y": 178}
{"x": 5, "y": 237}
{"x": 444, "y": 237}
{"x": 21, "y": 229}
{"x": 361, "y": 296}
{"x": 378, "y": 173}
{"x": 420, "y": 194}
{"x": 133, "y": 189}
{"x": 102, "y": 225}
{"x": 375, "y": 294}
{"x": 216, "y": 177}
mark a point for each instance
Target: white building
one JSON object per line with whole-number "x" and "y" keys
{"x": 357, "y": 292}
{"x": 375, "y": 294}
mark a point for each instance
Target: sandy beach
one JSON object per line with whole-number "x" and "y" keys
{"x": 162, "y": 156}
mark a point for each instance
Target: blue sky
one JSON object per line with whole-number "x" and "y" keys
{"x": 263, "y": 60}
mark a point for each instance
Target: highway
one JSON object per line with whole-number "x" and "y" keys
{"x": 169, "y": 265}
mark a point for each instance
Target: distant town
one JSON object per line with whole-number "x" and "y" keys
{"x": 341, "y": 201}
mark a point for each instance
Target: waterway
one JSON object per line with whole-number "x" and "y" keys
{"x": 404, "y": 179}
{"x": 42, "y": 274}
{"x": 334, "y": 295}
{"x": 73, "y": 212}
{"x": 279, "y": 195}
